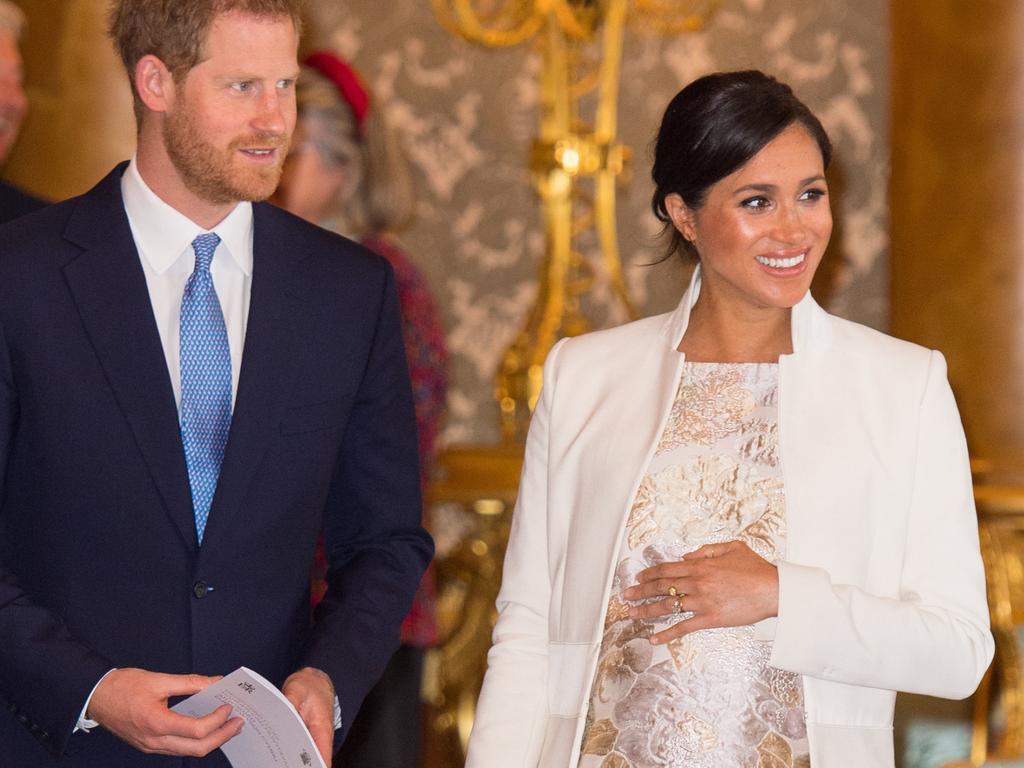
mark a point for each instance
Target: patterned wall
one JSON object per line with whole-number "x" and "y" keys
{"x": 468, "y": 114}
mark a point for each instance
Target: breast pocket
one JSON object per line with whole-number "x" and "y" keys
{"x": 312, "y": 418}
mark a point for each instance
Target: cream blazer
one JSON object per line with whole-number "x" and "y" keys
{"x": 883, "y": 587}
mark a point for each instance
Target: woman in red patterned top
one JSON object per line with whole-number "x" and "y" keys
{"x": 346, "y": 173}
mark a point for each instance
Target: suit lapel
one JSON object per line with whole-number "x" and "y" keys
{"x": 640, "y": 402}
{"x": 279, "y": 321}
{"x": 109, "y": 289}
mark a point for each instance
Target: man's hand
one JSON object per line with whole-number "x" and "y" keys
{"x": 720, "y": 585}
{"x": 312, "y": 693}
{"x": 132, "y": 704}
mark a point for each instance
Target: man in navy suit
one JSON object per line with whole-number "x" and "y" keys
{"x": 192, "y": 387}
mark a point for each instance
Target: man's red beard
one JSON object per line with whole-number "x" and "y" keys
{"x": 220, "y": 176}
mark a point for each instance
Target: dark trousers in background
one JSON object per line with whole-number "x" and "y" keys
{"x": 386, "y": 732}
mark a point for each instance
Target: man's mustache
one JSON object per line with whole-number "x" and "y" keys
{"x": 267, "y": 141}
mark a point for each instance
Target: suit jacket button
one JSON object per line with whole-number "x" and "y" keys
{"x": 199, "y": 589}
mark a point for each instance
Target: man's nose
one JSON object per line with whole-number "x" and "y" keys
{"x": 272, "y": 114}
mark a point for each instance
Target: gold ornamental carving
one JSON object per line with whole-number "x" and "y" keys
{"x": 997, "y": 736}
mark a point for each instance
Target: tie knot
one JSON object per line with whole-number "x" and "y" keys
{"x": 204, "y": 246}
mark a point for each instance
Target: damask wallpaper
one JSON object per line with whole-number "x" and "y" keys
{"x": 467, "y": 116}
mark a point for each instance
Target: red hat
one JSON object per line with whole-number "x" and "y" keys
{"x": 345, "y": 79}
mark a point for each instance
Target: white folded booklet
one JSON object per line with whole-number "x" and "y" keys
{"x": 273, "y": 736}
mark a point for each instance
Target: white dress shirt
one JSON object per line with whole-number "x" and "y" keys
{"x": 163, "y": 237}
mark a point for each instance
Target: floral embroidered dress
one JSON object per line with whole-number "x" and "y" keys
{"x": 709, "y": 699}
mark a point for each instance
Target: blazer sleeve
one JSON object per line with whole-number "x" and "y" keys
{"x": 934, "y": 639}
{"x": 376, "y": 547}
{"x": 512, "y": 710}
{"x": 46, "y": 675}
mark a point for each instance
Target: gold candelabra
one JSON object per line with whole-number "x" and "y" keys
{"x": 581, "y": 47}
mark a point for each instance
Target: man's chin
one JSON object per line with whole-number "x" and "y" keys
{"x": 260, "y": 185}
{"x": 249, "y": 187}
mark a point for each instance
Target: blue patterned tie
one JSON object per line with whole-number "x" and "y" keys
{"x": 205, "y": 381}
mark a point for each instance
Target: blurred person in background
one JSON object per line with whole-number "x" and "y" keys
{"x": 346, "y": 172}
{"x": 13, "y": 106}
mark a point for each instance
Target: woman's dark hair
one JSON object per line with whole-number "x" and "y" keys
{"x": 714, "y": 126}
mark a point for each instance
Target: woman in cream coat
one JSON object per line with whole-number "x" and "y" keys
{"x": 881, "y": 588}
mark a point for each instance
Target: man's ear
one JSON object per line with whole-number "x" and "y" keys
{"x": 154, "y": 83}
{"x": 683, "y": 217}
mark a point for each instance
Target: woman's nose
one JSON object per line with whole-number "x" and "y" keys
{"x": 789, "y": 225}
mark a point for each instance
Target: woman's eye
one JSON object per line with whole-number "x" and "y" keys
{"x": 756, "y": 203}
{"x": 813, "y": 194}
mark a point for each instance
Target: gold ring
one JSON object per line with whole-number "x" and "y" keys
{"x": 673, "y": 592}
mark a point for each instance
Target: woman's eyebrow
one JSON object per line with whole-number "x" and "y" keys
{"x": 774, "y": 187}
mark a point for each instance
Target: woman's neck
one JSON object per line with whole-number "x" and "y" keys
{"x": 721, "y": 334}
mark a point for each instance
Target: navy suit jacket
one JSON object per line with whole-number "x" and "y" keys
{"x": 99, "y": 564}
{"x": 15, "y": 202}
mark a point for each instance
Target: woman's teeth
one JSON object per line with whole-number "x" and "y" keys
{"x": 781, "y": 263}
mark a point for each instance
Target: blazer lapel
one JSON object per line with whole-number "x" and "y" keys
{"x": 280, "y": 319}
{"x": 640, "y": 400}
{"x": 109, "y": 289}
{"x": 640, "y": 407}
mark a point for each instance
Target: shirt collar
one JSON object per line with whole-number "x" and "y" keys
{"x": 163, "y": 233}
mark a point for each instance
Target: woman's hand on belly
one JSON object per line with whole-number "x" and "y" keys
{"x": 721, "y": 585}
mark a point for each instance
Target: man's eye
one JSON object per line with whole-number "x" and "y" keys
{"x": 756, "y": 203}
{"x": 284, "y": 85}
{"x": 242, "y": 86}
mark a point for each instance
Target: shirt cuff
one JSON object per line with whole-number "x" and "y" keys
{"x": 337, "y": 714}
{"x": 85, "y": 724}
